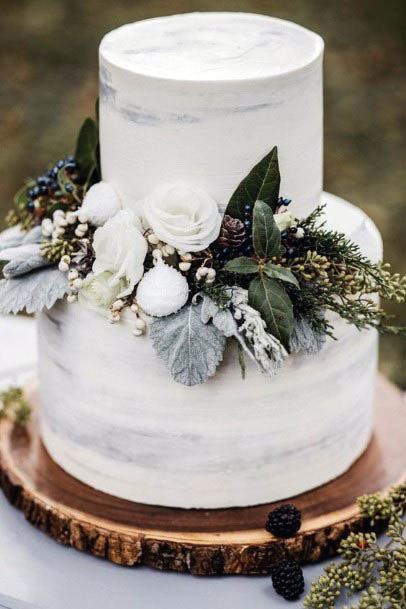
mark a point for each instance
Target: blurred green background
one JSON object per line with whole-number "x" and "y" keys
{"x": 48, "y": 69}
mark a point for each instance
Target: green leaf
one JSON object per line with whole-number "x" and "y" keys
{"x": 266, "y": 234}
{"x": 262, "y": 183}
{"x": 279, "y": 272}
{"x": 270, "y": 299}
{"x": 242, "y": 265}
{"x": 86, "y": 148}
{"x": 20, "y": 198}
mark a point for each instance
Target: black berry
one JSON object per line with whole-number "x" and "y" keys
{"x": 284, "y": 521}
{"x": 287, "y": 580}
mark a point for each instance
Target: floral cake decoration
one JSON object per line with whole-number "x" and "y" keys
{"x": 190, "y": 278}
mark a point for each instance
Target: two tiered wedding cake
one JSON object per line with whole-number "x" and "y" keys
{"x": 187, "y": 240}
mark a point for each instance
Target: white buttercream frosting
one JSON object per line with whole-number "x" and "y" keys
{"x": 113, "y": 417}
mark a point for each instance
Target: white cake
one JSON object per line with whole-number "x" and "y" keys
{"x": 201, "y": 98}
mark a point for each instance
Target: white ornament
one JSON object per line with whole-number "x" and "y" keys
{"x": 162, "y": 291}
{"x": 100, "y": 203}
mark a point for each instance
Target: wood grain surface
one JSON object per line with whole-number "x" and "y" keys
{"x": 201, "y": 542}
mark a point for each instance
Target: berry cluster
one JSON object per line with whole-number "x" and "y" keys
{"x": 47, "y": 184}
{"x": 284, "y": 521}
{"x": 287, "y": 580}
{"x": 290, "y": 237}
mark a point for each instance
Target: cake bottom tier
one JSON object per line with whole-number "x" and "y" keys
{"x": 112, "y": 416}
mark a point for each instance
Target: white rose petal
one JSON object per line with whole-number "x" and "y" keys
{"x": 183, "y": 216}
{"x": 101, "y": 202}
{"x": 100, "y": 291}
{"x": 285, "y": 220}
{"x": 120, "y": 249}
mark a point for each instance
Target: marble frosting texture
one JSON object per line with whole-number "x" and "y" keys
{"x": 202, "y": 97}
{"x": 113, "y": 417}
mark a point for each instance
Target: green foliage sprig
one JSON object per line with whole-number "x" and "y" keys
{"x": 14, "y": 405}
{"x": 378, "y": 572}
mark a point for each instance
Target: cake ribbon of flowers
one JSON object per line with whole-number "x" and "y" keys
{"x": 190, "y": 277}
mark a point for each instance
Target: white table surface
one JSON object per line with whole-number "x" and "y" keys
{"x": 37, "y": 572}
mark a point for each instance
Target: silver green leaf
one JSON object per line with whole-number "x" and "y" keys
{"x": 191, "y": 349}
{"x": 21, "y": 265}
{"x": 33, "y": 292}
{"x": 270, "y": 299}
{"x": 222, "y": 318}
{"x": 274, "y": 271}
{"x": 242, "y": 265}
{"x": 262, "y": 183}
{"x": 11, "y": 237}
{"x": 266, "y": 234}
{"x": 305, "y": 339}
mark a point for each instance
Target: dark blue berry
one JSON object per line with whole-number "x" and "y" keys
{"x": 248, "y": 249}
{"x": 70, "y": 159}
{"x": 43, "y": 190}
{"x": 54, "y": 172}
{"x": 41, "y": 180}
{"x": 69, "y": 187}
{"x": 60, "y": 164}
{"x": 247, "y": 224}
{"x": 35, "y": 192}
{"x": 285, "y": 202}
{"x": 284, "y": 233}
{"x": 293, "y": 230}
{"x": 30, "y": 193}
{"x": 291, "y": 252}
{"x": 30, "y": 206}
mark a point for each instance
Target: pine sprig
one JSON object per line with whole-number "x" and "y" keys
{"x": 379, "y": 572}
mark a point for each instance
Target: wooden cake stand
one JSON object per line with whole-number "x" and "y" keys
{"x": 201, "y": 542}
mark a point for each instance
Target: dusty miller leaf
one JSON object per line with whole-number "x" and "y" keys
{"x": 11, "y": 237}
{"x": 21, "y": 265}
{"x": 32, "y": 292}
{"x": 221, "y": 318}
{"x": 33, "y": 236}
{"x": 266, "y": 234}
{"x": 262, "y": 183}
{"x": 270, "y": 299}
{"x": 23, "y": 250}
{"x": 305, "y": 339}
{"x": 190, "y": 349}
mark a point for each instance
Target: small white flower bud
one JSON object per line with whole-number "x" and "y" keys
{"x": 66, "y": 258}
{"x": 134, "y": 308}
{"x": 210, "y": 280}
{"x": 237, "y": 314}
{"x": 71, "y": 298}
{"x": 184, "y": 266}
{"x": 299, "y": 234}
{"x": 211, "y": 273}
{"x": 71, "y": 217}
{"x": 82, "y": 218}
{"x": 117, "y": 305}
{"x": 168, "y": 250}
{"x": 140, "y": 324}
{"x": 153, "y": 239}
{"x": 157, "y": 253}
{"x": 58, "y": 213}
{"x": 63, "y": 267}
{"x": 60, "y": 221}
{"x": 47, "y": 227}
{"x": 58, "y": 232}
{"x": 202, "y": 272}
{"x": 73, "y": 274}
{"x": 186, "y": 256}
{"x": 137, "y": 332}
{"x": 77, "y": 283}
{"x": 114, "y": 317}
{"x": 79, "y": 232}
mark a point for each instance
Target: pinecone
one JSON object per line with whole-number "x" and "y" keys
{"x": 284, "y": 521}
{"x": 287, "y": 580}
{"x": 83, "y": 260}
{"x": 232, "y": 232}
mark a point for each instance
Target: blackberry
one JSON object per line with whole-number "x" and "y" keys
{"x": 287, "y": 580}
{"x": 284, "y": 521}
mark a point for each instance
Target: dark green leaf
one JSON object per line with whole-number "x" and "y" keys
{"x": 86, "y": 148}
{"x": 270, "y": 299}
{"x": 279, "y": 272}
{"x": 261, "y": 183}
{"x": 242, "y": 265}
{"x": 266, "y": 234}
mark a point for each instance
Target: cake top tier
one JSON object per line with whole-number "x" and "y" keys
{"x": 212, "y": 47}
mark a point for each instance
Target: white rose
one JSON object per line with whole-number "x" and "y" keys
{"x": 285, "y": 220}
{"x": 120, "y": 249}
{"x": 101, "y": 202}
{"x": 183, "y": 216}
{"x": 100, "y": 291}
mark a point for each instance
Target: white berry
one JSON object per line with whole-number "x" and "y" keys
{"x": 184, "y": 266}
{"x": 153, "y": 239}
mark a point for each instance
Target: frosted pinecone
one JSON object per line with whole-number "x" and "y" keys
{"x": 232, "y": 232}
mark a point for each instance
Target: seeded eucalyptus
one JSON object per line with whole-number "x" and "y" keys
{"x": 378, "y": 572}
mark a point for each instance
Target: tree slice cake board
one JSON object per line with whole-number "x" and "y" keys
{"x": 201, "y": 542}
